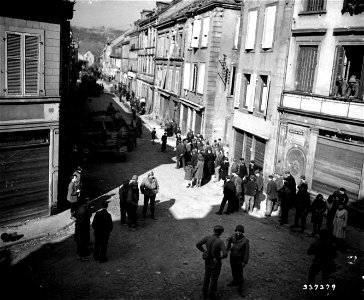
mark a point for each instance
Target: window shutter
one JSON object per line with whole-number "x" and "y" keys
{"x": 306, "y": 67}
{"x": 338, "y": 66}
{"x": 196, "y": 33}
{"x": 186, "y": 76}
{"x": 205, "y": 31}
{"x": 236, "y": 34}
{"x": 269, "y": 22}
{"x": 265, "y": 95}
{"x": 170, "y": 74}
{"x": 253, "y": 81}
{"x": 164, "y": 77}
{"x": 189, "y": 35}
{"x": 13, "y": 64}
{"x": 201, "y": 78}
{"x": 252, "y": 25}
{"x": 193, "y": 83}
{"x": 237, "y": 91}
{"x": 176, "y": 82}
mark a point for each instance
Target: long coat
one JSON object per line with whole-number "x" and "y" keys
{"x": 224, "y": 169}
{"x": 199, "y": 169}
{"x": 189, "y": 172}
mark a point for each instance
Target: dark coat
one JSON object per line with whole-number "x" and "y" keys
{"x": 318, "y": 209}
{"x": 102, "y": 223}
{"x": 229, "y": 189}
{"x": 224, "y": 169}
{"x": 133, "y": 193}
{"x": 180, "y": 150}
{"x": 271, "y": 190}
{"x": 243, "y": 170}
{"x": 194, "y": 158}
{"x": 250, "y": 188}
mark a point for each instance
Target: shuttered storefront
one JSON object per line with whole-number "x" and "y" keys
{"x": 259, "y": 152}
{"x": 239, "y": 143}
{"x": 248, "y": 147}
{"x": 337, "y": 164}
{"x": 24, "y": 176}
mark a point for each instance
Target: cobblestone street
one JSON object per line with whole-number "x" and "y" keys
{"x": 159, "y": 260}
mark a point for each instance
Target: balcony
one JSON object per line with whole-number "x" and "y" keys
{"x": 322, "y": 105}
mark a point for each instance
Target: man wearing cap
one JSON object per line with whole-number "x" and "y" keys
{"x": 123, "y": 196}
{"x": 291, "y": 184}
{"x": 132, "y": 202}
{"x": 235, "y": 166}
{"x": 258, "y": 195}
{"x": 303, "y": 203}
{"x": 353, "y": 88}
{"x": 340, "y": 87}
{"x": 250, "y": 189}
{"x": 102, "y": 225}
{"x": 252, "y": 168}
{"x": 229, "y": 196}
{"x": 238, "y": 245}
{"x": 271, "y": 195}
{"x": 213, "y": 254}
{"x": 149, "y": 188}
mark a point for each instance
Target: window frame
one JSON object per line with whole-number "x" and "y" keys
{"x": 274, "y": 26}
{"x": 200, "y": 81}
{"x": 256, "y": 9}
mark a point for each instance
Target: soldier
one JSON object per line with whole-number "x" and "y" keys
{"x": 214, "y": 252}
{"x": 238, "y": 245}
{"x": 102, "y": 225}
{"x": 352, "y": 91}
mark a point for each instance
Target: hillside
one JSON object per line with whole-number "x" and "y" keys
{"x": 94, "y": 39}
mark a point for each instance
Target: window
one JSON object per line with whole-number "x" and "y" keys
{"x": 315, "y": 5}
{"x": 189, "y": 35}
{"x": 205, "y": 31}
{"x": 164, "y": 75}
{"x": 186, "y": 76}
{"x": 268, "y": 31}
{"x": 193, "y": 83}
{"x": 176, "y": 81}
{"x": 172, "y": 46}
{"x": 349, "y": 61}
{"x": 196, "y": 33}
{"x": 232, "y": 80}
{"x": 179, "y": 43}
{"x": 264, "y": 93}
{"x": 306, "y": 67}
{"x": 170, "y": 75}
{"x": 251, "y": 80}
{"x": 236, "y": 33}
{"x": 22, "y": 64}
{"x": 237, "y": 91}
{"x": 250, "y": 31}
{"x": 201, "y": 78}
{"x": 166, "y": 46}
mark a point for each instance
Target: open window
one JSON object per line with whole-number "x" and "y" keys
{"x": 264, "y": 81}
{"x": 250, "y": 84}
{"x": 349, "y": 62}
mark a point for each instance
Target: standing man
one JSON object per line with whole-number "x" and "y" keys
{"x": 252, "y": 168}
{"x": 123, "y": 197}
{"x": 243, "y": 171}
{"x": 102, "y": 225}
{"x": 229, "y": 196}
{"x": 250, "y": 190}
{"x": 235, "y": 166}
{"x": 238, "y": 246}
{"x": 291, "y": 184}
{"x": 218, "y": 161}
{"x": 271, "y": 195}
{"x": 82, "y": 229}
{"x": 73, "y": 195}
{"x": 303, "y": 203}
{"x": 214, "y": 252}
{"x": 239, "y": 190}
{"x": 285, "y": 195}
{"x": 154, "y": 135}
{"x": 132, "y": 203}
{"x": 164, "y": 142}
{"x": 258, "y": 195}
{"x": 180, "y": 155}
{"x": 149, "y": 188}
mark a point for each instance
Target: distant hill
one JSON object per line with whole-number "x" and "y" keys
{"x": 94, "y": 39}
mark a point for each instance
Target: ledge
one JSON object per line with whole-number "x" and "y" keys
{"x": 309, "y": 31}
{"x": 29, "y": 100}
{"x": 348, "y": 30}
{"x": 315, "y": 12}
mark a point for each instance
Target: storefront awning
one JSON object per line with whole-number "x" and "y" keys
{"x": 191, "y": 104}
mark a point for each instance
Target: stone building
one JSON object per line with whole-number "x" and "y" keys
{"x": 263, "y": 45}
{"x": 34, "y": 78}
{"x": 321, "y": 128}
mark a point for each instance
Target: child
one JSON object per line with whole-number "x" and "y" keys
{"x": 189, "y": 174}
{"x": 318, "y": 209}
{"x": 153, "y": 135}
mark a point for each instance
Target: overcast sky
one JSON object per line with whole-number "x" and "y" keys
{"x": 109, "y": 13}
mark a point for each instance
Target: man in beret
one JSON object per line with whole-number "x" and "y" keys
{"x": 238, "y": 245}
{"x": 213, "y": 254}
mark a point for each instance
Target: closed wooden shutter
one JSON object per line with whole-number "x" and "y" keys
{"x": 196, "y": 33}
{"x": 201, "y": 78}
{"x": 237, "y": 91}
{"x": 205, "y": 31}
{"x": 259, "y": 152}
{"x": 269, "y": 22}
{"x": 306, "y": 67}
{"x": 251, "y": 92}
{"x": 24, "y": 181}
{"x": 176, "y": 82}
{"x": 170, "y": 75}
{"x": 239, "y": 143}
{"x": 252, "y": 25}
{"x": 265, "y": 96}
{"x": 337, "y": 164}
{"x": 236, "y": 33}
{"x": 31, "y": 64}
{"x": 13, "y": 64}
{"x": 338, "y": 66}
{"x": 186, "y": 76}
{"x": 164, "y": 75}
{"x": 248, "y": 147}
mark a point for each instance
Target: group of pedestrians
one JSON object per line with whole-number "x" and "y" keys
{"x": 215, "y": 250}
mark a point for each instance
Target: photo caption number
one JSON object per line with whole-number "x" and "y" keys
{"x": 316, "y": 287}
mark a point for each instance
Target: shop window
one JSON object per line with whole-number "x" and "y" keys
{"x": 251, "y": 30}
{"x": 201, "y": 78}
{"x": 22, "y": 64}
{"x": 315, "y": 5}
{"x": 349, "y": 65}
{"x": 264, "y": 93}
{"x": 269, "y": 23}
{"x": 306, "y": 68}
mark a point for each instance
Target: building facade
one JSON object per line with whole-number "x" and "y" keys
{"x": 321, "y": 128}
{"x": 33, "y": 53}
{"x": 263, "y": 45}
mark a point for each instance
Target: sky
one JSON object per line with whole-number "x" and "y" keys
{"x": 117, "y": 14}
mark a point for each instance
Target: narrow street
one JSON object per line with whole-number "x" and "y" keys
{"x": 159, "y": 260}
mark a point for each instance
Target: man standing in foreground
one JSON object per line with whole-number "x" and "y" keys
{"x": 214, "y": 252}
{"x": 102, "y": 225}
{"x": 239, "y": 256}
{"x": 149, "y": 187}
